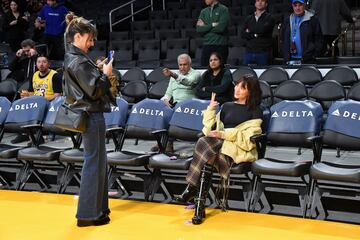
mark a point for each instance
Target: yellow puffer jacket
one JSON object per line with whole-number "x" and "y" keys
{"x": 237, "y": 143}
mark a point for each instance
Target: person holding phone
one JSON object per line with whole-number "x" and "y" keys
{"x": 86, "y": 89}
{"x": 226, "y": 141}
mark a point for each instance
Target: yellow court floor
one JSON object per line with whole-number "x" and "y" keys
{"x": 33, "y": 215}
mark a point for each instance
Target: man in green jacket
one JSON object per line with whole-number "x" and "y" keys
{"x": 181, "y": 87}
{"x": 213, "y": 24}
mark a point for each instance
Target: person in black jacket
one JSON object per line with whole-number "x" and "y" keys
{"x": 87, "y": 89}
{"x": 257, "y": 33}
{"x": 301, "y": 35}
{"x": 217, "y": 79}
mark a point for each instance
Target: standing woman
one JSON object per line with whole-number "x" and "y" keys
{"x": 86, "y": 88}
{"x": 217, "y": 79}
{"x": 15, "y": 25}
{"x": 229, "y": 143}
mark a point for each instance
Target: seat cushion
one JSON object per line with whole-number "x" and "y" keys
{"x": 164, "y": 161}
{"x": 127, "y": 159}
{"x": 72, "y": 156}
{"x": 241, "y": 168}
{"x": 39, "y": 154}
{"x": 269, "y": 166}
{"x": 324, "y": 171}
{"x": 8, "y": 151}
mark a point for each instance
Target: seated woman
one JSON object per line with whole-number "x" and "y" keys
{"x": 230, "y": 143}
{"x": 217, "y": 79}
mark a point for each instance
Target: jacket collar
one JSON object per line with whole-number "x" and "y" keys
{"x": 77, "y": 51}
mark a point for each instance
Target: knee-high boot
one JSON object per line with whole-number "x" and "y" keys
{"x": 205, "y": 184}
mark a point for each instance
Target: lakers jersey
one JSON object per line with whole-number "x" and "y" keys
{"x": 43, "y": 86}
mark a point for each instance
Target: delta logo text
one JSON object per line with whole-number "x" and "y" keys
{"x": 191, "y": 111}
{"x": 293, "y": 114}
{"x": 346, "y": 114}
{"x": 147, "y": 111}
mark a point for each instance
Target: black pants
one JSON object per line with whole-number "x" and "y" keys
{"x": 328, "y": 39}
{"x": 56, "y": 46}
{"x": 207, "y": 50}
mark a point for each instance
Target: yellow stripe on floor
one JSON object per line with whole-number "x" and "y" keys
{"x": 40, "y": 216}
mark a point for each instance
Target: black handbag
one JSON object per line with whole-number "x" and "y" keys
{"x": 71, "y": 120}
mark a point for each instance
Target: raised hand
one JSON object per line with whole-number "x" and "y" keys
{"x": 213, "y": 103}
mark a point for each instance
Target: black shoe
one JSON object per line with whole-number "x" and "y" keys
{"x": 187, "y": 195}
{"x": 98, "y": 222}
{"x": 20, "y": 138}
{"x": 107, "y": 212}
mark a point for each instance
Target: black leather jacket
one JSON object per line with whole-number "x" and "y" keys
{"x": 85, "y": 87}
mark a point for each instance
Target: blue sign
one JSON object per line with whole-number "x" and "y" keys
{"x": 4, "y": 108}
{"x": 118, "y": 114}
{"x": 295, "y": 117}
{"x": 150, "y": 113}
{"x": 344, "y": 117}
{"x": 189, "y": 114}
{"x": 27, "y": 109}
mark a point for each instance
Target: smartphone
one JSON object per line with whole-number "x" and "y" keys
{"x": 110, "y": 56}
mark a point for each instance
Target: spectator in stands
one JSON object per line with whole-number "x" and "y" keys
{"x": 87, "y": 89}
{"x": 213, "y": 24}
{"x": 330, "y": 13}
{"x": 23, "y": 66}
{"x": 15, "y": 25}
{"x": 226, "y": 141}
{"x": 45, "y": 82}
{"x": 301, "y": 35}
{"x": 257, "y": 33}
{"x": 217, "y": 79}
{"x": 181, "y": 87}
{"x": 114, "y": 81}
{"x": 52, "y": 17}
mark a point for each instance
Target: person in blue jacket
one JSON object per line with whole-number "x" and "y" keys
{"x": 52, "y": 17}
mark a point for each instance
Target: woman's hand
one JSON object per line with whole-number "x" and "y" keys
{"x": 215, "y": 134}
{"x": 107, "y": 68}
{"x": 213, "y": 103}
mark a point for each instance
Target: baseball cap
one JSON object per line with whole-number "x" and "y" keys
{"x": 300, "y": 1}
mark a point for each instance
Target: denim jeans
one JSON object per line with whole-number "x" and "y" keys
{"x": 93, "y": 197}
{"x": 261, "y": 59}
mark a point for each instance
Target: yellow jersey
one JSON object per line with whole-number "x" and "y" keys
{"x": 43, "y": 86}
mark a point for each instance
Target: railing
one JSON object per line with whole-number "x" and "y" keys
{"x": 343, "y": 36}
{"x": 132, "y": 13}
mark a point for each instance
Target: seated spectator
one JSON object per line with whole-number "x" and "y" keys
{"x": 114, "y": 81}
{"x": 52, "y": 17}
{"x": 23, "y": 66}
{"x": 217, "y": 79}
{"x": 15, "y": 25}
{"x": 45, "y": 82}
{"x": 181, "y": 87}
{"x": 301, "y": 36}
{"x": 257, "y": 33}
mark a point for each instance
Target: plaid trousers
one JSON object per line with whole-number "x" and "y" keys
{"x": 208, "y": 148}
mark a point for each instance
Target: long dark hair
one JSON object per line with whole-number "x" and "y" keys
{"x": 220, "y": 59}
{"x": 253, "y": 86}
{"x": 80, "y": 25}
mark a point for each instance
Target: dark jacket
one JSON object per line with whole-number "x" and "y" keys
{"x": 16, "y": 31}
{"x": 310, "y": 35}
{"x": 85, "y": 87}
{"x": 220, "y": 84}
{"x": 330, "y": 13}
{"x": 263, "y": 28}
{"x": 22, "y": 68}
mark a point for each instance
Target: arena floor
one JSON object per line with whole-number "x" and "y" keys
{"x": 34, "y": 215}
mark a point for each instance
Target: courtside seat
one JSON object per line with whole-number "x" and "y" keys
{"x": 288, "y": 128}
{"x": 340, "y": 178}
{"x": 148, "y": 120}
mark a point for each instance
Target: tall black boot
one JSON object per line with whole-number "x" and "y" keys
{"x": 205, "y": 184}
{"x": 187, "y": 195}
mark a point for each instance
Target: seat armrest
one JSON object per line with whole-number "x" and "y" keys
{"x": 115, "y": 129}
{"x": 258, "y": 138}
{"x": 161, "y": 139}
{"x": 36, "y": 125}
{"x": 316, "y": 142}
{"x": 314, "y": 139}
